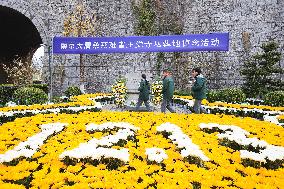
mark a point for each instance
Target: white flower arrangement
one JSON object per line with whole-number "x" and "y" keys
{"x": 10, "y": 104}
{"x": 268, "y": 115}
{"x": 240, "y": 136}
{"x": 245, "y": 110}
{"x": 111, "y": 125}
{"x": 273, "y": 119}
{"x": 29, "y": 147}
{"x": 182, "y": 141}
{"x": 103, "y": 98}
{"x": 188, "y": 102}
{"x": 156, "y": 154}
{"x": 53, "y": 110}
{"x": 94, "y": 149}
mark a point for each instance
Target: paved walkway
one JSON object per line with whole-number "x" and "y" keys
{"x": 134, "y": 97}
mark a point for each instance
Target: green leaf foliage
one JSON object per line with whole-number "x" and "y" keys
{"x": 72, "y": 91}
{"x": 274, "y": 98}
{"x": 262, "y": 73}
{"x": 6, "y": 93}
{"x": 29, "y": 96}
{"x": 43, "y": 87}
{"x": 230, "y": 95}
{"x": 146, "y": 17}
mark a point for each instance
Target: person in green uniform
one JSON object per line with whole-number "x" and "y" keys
{"x": 199, "y": 90}
{"x": 144, "y": 91}
{"x": 168, "y": 91}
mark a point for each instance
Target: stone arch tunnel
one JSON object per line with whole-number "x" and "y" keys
{"x": 18, "y": 38}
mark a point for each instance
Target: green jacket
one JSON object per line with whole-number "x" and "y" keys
{"x": 168, "y": 88}
{"x": 199, "y": 88}
{"x": 144, "y": 90}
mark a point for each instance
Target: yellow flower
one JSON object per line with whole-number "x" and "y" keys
{"x": 224, "y": 168}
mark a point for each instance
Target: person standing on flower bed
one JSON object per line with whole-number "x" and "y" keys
{"x": 199, "y": 90}
{"x": 168, "y": 91}
{"x": 144, "y": 91}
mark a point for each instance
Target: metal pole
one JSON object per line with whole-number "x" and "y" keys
{"x": 50, "y": 61}
{"x": 49, "y": 70}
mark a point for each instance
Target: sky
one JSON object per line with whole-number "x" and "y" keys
{"x": 37, "y": 58}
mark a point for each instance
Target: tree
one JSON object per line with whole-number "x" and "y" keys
{"x": 262, "y": 73}
{"x": 80, "y": 23}
{"x": 21, "y": 71}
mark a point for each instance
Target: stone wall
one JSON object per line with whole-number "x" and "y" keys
{"x": 249, "y": 22}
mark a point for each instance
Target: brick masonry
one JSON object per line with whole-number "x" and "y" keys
{"x": 250, "y": 23}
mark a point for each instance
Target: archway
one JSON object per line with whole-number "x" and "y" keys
{"x": 19, "y": 38}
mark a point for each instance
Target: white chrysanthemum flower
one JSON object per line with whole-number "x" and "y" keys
{"x": 252, "y": 155}
{"x": 156, "y": 154}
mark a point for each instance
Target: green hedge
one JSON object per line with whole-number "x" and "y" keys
{"x": 214, "y": 95}
{"x": 72, "y": 91}
{"x": 274, "y": 99}
{"x": 233, "y": 95}
{"x": 29, "y": 96}
{"x": 6, "y": 93}
{"x": 230, "y": 95}
{"x": 182, "y": 93}
{"x": 43, "y": 87}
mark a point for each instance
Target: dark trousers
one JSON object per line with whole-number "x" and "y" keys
{"x": 139, "y": 103}
{"x": 166, "y": 103}
{"x": 198, "y": 108}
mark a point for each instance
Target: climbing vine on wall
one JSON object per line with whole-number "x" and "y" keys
{"x": 154, "y": 17}
{"x": 160, "y": 61}
{"x": 146, "y": 16}
{"x": 80, "y": 23}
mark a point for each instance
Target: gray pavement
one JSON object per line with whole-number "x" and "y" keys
{"x": 133, "y": 98}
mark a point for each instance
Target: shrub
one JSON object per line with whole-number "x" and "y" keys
{"x": 6, "y": 93}
{"x": 29, "y": 95}
{"x": 43, "y": 87}
{"x": 233, "y": 95}
{"x": 182, "y": 93}
{"x": 58, "y": 99}
{"x": 214, "y": 95}
{"x": 230, "y": 95}
{"x": 72, "y": 91}
{"x": 274, "y": 98}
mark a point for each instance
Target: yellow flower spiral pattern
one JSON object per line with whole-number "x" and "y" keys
{"x": 224, "y": 170}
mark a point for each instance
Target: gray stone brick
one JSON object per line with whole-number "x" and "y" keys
{"x": 261, "y": 19}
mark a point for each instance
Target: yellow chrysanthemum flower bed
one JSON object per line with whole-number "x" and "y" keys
{"x": 84, "y": 100}
{"x": 156, "y": 91}
{"x": 119, "y": 91}
{"x": 224, "y": 170}
{"x": 281, "y": 118}
{"x": 237, "y": 106}
{"x": 81, "y": 100}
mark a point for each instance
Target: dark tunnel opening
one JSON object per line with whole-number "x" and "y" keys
{"x": 19, "y": 38}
